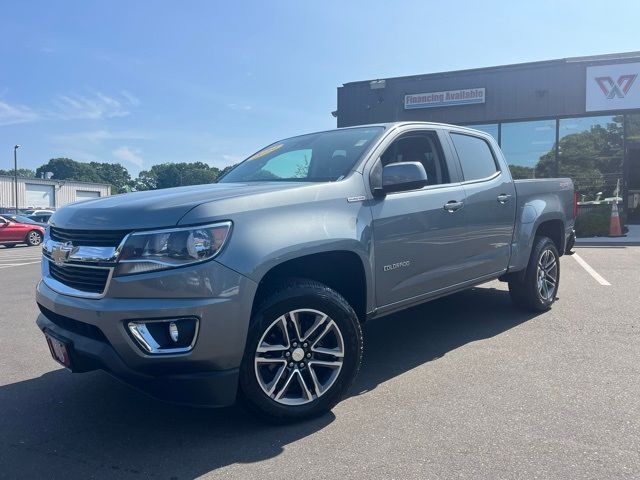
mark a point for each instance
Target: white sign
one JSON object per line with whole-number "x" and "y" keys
{"x": 613, "y": 87}
{"x": 444, "y": 99}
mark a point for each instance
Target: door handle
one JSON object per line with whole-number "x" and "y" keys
{"x": 453, "y": 206}
{"x": 504, "y": 198}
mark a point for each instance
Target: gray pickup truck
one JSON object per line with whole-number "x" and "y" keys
{"x": 257, "y": 286}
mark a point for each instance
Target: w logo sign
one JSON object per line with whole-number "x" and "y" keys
{"x": 617, "y": 89}
{"x": 612, "y": 87}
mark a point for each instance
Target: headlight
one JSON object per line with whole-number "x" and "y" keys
{"x": 175, "y": 247}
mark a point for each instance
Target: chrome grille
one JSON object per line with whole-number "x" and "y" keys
{"x": 84, "y": 279}
{"x": 92, "y": 238}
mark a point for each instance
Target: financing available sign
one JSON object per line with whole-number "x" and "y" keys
{"x": 447, "y": 98}
{"x": 613, "y": 87}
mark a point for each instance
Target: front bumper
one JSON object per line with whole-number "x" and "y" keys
{"x": 96, "y": 331}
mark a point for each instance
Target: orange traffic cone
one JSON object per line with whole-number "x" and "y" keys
{"x": 614, "y": 224}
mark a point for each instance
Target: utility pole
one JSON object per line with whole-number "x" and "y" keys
{"x": 15, "y": 174}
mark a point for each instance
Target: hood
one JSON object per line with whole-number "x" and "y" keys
{"x": 154, "y": 208}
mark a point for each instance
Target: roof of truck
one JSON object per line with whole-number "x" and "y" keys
{"x": 414, "y": 122}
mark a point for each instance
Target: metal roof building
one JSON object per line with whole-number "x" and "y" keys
{"x": 45, "y": 194}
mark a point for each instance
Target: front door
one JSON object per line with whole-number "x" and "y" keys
{"x": 10, "y": 231}
{"x": 416, "y": 240}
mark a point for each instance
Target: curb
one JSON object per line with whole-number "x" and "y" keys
{"x": 604, "y": 242}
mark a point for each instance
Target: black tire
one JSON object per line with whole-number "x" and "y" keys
{"x": 526, "y": 293}
{"x": 9, "y": 245}
{"x": 571, "y": 241}
{"x": 34, "y": 238}
{"x": 292, "y": 295}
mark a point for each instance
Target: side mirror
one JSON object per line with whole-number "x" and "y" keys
{"x": 398, "y": 177}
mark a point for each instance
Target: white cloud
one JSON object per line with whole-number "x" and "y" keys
{"x": 12, "y": 114}
{"x": 130, "y": 155}
{"x": 239, "y": 107}
{"x": 132, "y": 99}
{"x": 99, "y": 136}
{"x": 94, "y": 106}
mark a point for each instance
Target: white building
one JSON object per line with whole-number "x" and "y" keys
{"x": 40, "y": 193}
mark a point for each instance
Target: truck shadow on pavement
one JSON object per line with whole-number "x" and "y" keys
{"x": 88, "y": 425}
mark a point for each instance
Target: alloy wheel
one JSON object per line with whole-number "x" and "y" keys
{"x": 299, "y": 357}
{"x": 547, "y": 275}
{"x": 34, "y": 238}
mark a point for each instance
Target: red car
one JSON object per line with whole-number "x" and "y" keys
{"x": 13, "y": 232}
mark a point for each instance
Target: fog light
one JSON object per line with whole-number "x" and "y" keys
{"x": 173, "y": 332}
{"x": 165, "y": 336}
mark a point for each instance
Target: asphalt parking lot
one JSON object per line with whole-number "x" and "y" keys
{"x": 463, "y": 387}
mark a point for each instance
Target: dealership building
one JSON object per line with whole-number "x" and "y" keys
{"x": 47, "y": 194}
{"x": 575, "y": 117}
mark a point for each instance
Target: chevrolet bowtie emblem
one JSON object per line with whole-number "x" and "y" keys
{"x": 60, "y": 253}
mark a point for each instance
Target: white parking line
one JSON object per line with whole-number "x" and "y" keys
{"x": 590, "y": 270}
{"x": 18, "y": 264}
{"x": 15, "y": 257}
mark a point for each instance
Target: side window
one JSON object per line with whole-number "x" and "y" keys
{"x": 419, "y": 147}
{"x": 475, "y": 157}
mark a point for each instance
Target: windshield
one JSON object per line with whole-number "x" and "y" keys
{"x": 21, "y": 219}
{"x": 318, "y": 157}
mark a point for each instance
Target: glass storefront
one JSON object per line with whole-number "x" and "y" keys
{"x": 632, "y": 129}
{"x": 529, "y": 148}
{"x": 591, "y": 152}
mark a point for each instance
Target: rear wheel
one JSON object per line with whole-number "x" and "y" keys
{"x": 537, "y": 291}
{"x": 34, "y": 238}
{"x": 303, "y": 351}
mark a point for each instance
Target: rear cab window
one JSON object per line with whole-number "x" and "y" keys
{"x": 475, "y": 155}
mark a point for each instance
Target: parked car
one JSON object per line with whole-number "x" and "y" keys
{"x": 14, "y": 232}
{"x": 259, "y": 285}
{"x": 41, "y": 216}
{"x": 23, "y": 219}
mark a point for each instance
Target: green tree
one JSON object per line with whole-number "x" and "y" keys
{"x": 115, "y": 175}
{"x": 167, "y": 175}
{"x": 22, "y": 172}
{"x": 592, "y": 158}
{"x": 67, "y": 169}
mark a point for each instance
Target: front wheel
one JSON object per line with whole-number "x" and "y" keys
{"x": 34, "y": 238}
{"x": 303, "y": 351}
{"x": 537, "y": 291}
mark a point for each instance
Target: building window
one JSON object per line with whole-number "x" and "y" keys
{"x": 490, "y": 128}
{"x": 590, "y": 152}
{"x": 632, "y": 202}
{"x": 529, "y": 148}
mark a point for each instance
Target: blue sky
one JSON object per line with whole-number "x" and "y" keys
{"x": 149, "y": 82}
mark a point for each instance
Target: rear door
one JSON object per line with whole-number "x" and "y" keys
{"x": 416, "y": 240}
{"x": 490, "y": 205}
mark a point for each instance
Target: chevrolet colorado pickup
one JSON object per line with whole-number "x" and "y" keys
{"x": 257, "y": 286}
